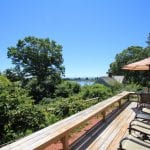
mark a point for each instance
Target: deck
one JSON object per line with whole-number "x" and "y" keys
{"x": 106, "y": 134}
{"x": 110, "y": 137}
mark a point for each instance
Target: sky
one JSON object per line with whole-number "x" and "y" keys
{"x": 91, "y": 32}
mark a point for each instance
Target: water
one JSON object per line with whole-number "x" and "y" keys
{"x": 82, "y": 83}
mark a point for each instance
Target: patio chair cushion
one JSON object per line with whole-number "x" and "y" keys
{"x": 143, "y": 116}
{"x": 140, "y": 129}
{"x": 133, "y": 143}
{"x": 140, "y": 123}
{"x": 146, "y": 110}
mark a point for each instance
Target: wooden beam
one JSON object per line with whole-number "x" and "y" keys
{"x": 119, "y": 103}
{"x": 104, "y": 115}
{"x": 65, "y": 142}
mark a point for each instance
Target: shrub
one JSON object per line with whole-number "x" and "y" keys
{"x": 96, "y": 90}
{"x": 18, "y": 115}
{"x": 62, "y": 109}
{"x": 132, "y": 87}
{"x": 75, "y": 107}
{"x": 118, "y": 87}
{"x": 39, "y": 90}
{"x": 67, "y": 88}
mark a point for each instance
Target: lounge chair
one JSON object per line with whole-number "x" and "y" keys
{"x": 140, "y": 123}
{"x": 144, "y": 100}
{"x": 139, "y": 129}
{"x": 139, "y": 140}
{"x": 142, "y": 128}
{"x": 146, "y": 110}
{"x": 133, "y": 143}
{"x": 143, "y": 115}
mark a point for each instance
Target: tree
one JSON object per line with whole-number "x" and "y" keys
{"x": 67, "y": 88}
{"x": 13, "y": 74}
{"x": 148, "y": 40}
{"x": 40, "y": 59}
{"x": 127, "y": 56}
{"x": 18, "y": 114}
{"x": 147, "y": 49}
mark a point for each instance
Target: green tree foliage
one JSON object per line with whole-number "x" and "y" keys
{"x": 37, "y": 57}
{"x": 62, "y": 109}
{"x": 131, "y": 87}
{"x": 76, "y": 106}
{"x": 67, "y": 88}
{"x": 127, "y": 56}
{"x": 18, "y": 115}
{"x": 41, "y": 61}
{"x": 65, "y": 107}
{"x": 119, "y": 87}
{"x": 13, "y": 74}
{"x": 42, "y": 89}
{"x": 96, "y": 90}
{"x": 148, "y": 40}
{"x": 4, "y": 82}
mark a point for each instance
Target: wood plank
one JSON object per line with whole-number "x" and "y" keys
{"x": 109, "y": 139}
{"x": 106, "y": 137}
{"x": 97, "y": 144}
{"x": 59, "y": 129}
{"x": 127, "y": 117}
{"x": 115, "y": 143}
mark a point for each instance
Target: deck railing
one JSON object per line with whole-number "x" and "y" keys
{"x": 60, "y": 130}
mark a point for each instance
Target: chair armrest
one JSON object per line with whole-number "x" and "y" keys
{"x": 121, "y": 142}
{"x": 142, "y": 130}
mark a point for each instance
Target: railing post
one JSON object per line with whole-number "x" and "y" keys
{"x": 65, "y": 142}
{"x": 104, "y": 115}
{"x": 128, "y": 97}
{"x": 119, "y": 103}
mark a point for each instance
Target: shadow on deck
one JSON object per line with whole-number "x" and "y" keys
{"x": 96, "y": 132}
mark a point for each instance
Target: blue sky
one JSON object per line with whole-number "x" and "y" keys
{"x": 91, "y": 32}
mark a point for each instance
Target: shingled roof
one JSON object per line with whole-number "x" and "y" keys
{"x": 108, "y": 81}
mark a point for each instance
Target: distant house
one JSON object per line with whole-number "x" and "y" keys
{"x": 108, "y": 81}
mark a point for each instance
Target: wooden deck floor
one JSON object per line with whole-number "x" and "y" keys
{"x": 107, "y": 135}
{"x": 109, "y": 139}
